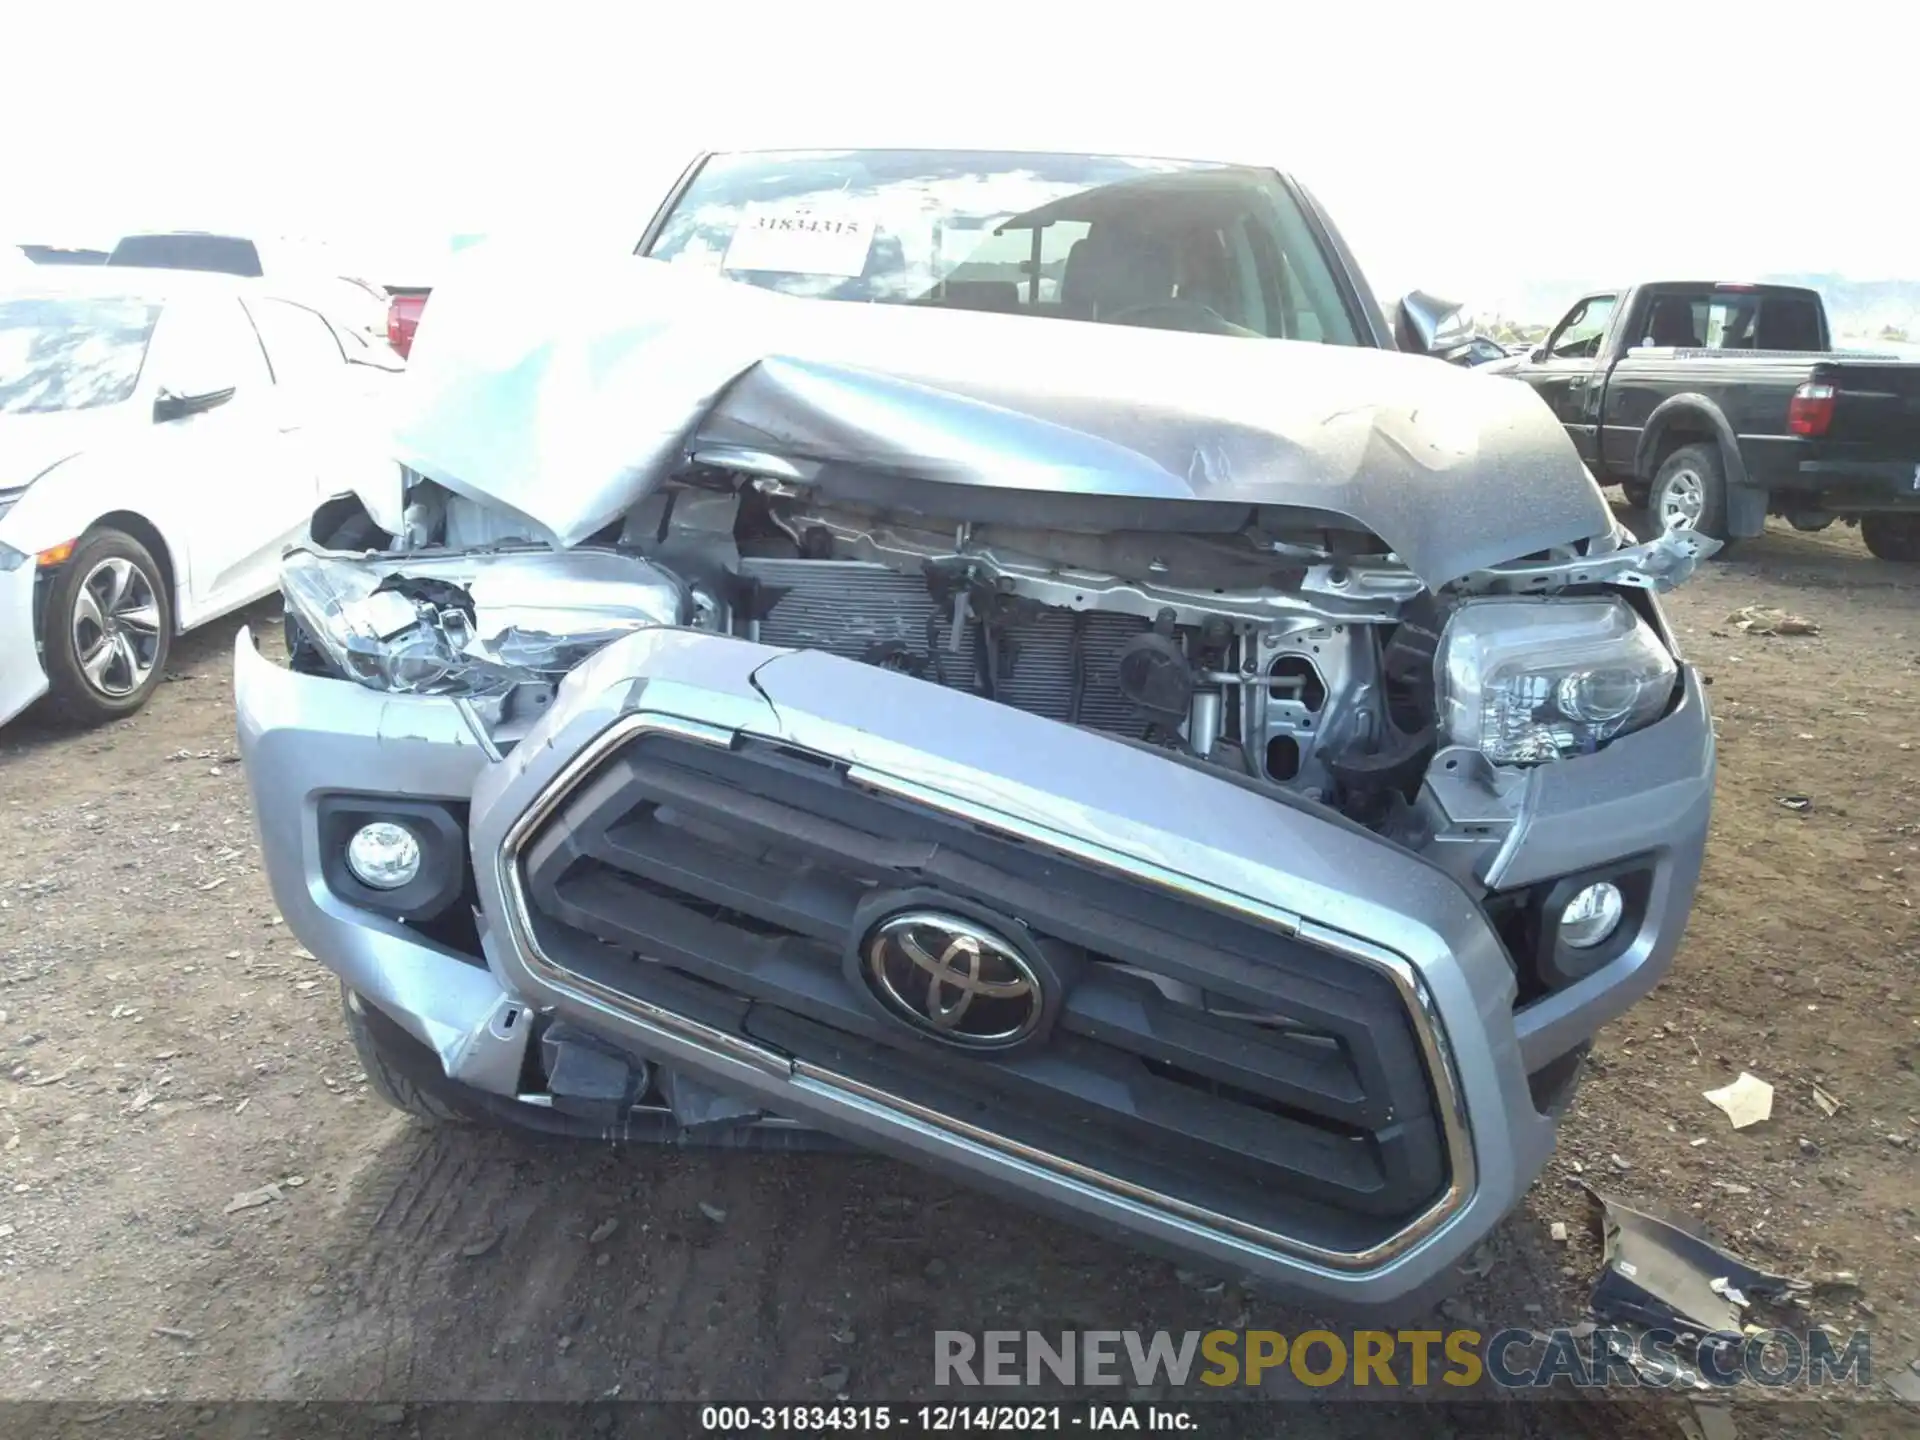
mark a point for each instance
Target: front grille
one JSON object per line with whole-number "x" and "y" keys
{"x": 1197, "y": 1054}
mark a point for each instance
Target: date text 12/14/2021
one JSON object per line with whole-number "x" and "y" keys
{"x": 943, "y": 1419}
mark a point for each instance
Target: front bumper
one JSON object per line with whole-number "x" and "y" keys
{"x": 1342, "y": 895}
{"x": 22, "y": 680}
{"x": 1850, "y": 485}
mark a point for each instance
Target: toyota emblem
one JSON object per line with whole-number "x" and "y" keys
{"x": 952, "y": 979}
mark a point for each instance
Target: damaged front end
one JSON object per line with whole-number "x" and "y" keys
{"x": 1300, "y": 660}
{"x": 473, "y": 626}
{"x": 1239, "y": 853}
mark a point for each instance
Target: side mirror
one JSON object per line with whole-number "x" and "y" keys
{"x": 171, "y": 405}
{"x": 1537, "y": 354}
{"x": 1427, "y": 325}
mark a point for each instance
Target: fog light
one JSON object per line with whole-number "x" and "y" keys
{"x": 1590, "y": 917}
{"x": 386, "y": 856}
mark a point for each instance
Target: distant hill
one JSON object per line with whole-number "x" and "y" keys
{"x": 1532, "y": 303}
{"x": 1864, "y": 307}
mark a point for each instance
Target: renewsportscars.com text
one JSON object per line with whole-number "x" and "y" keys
{"x": 1512, "y": 1358}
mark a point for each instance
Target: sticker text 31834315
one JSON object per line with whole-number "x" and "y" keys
{"x": 801, "y": 240}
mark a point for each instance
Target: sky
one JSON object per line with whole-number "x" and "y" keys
{"x": 1473, "y": 150}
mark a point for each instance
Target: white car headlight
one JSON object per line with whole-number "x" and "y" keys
{"x": 1529, "y": 680}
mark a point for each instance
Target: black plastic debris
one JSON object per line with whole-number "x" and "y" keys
{"x": 1661, "y": 1275}
{"x": 695, "y": 1105}
{"x": 586, "y": 1077}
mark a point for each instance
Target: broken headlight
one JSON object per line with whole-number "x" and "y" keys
{"x": 1529, "y": 680}
{"x": 474, "y": 624}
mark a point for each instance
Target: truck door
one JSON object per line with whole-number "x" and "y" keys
{"x": 1567, "y": 370}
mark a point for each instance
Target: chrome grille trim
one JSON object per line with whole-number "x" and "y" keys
{"x": 644, "y": 1018}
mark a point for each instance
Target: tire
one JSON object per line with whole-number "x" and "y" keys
{"x": 407, "y": 1075}
{"x": 1892, "y": 537}
{"x": 1691, "y": 487}
{"x": 392, "y": 1069}
{"x": 107, "y": 629}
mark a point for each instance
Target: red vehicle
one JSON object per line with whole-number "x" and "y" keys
{"x": 403, "y": 314}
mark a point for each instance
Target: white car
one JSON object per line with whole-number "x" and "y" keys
{"x": 311, "y": 269}
{"x": 162, "y": 435}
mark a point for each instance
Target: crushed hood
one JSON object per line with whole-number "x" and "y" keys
{"x": 565, "y": 393}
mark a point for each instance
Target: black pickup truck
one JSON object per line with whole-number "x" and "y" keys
{"x": 1715, "y": 405}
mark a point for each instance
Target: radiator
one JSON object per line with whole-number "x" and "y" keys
{"x": 852, "y": 608}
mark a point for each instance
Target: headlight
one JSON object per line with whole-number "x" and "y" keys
{"x": 1527, "y": 680}
{"x": 474, "y": 624}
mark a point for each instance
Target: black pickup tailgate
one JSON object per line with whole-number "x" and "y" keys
{"x": 1876, "y": 403}
{"x": 1857, "y": 429}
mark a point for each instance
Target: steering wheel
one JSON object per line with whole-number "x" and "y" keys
{"x": 1182, "y": 315}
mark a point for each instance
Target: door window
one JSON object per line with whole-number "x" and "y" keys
{"x": 301, "y": 345}
{"x": 204, "y": 347}
{"x": 1578, "y": 336}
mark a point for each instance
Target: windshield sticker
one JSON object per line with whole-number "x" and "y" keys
{"x": 801, "y": 240}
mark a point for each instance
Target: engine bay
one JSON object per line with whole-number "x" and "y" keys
{"x": 1214, "y": 648}
{"x": 1329, "y": 708}
{"x": 1296, "y": 660}
{"x": 1209, "y": 647}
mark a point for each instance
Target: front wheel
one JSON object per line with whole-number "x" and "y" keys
{"x": 1690, "y": 493}
{"x": 107, "y": 628}
{"x": 398, "y": 1070}
{"x": 1892, "y": 537}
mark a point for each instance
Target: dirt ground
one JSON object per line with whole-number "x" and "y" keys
{"x": 165, "y": 1045}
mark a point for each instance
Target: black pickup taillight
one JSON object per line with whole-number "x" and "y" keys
{"x": 1810, "y": 411}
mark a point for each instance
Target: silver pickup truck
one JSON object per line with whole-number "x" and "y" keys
{"x": 1079, "y": 713}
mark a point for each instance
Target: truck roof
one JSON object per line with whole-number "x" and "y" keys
{"x": 1755, "y": 286}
